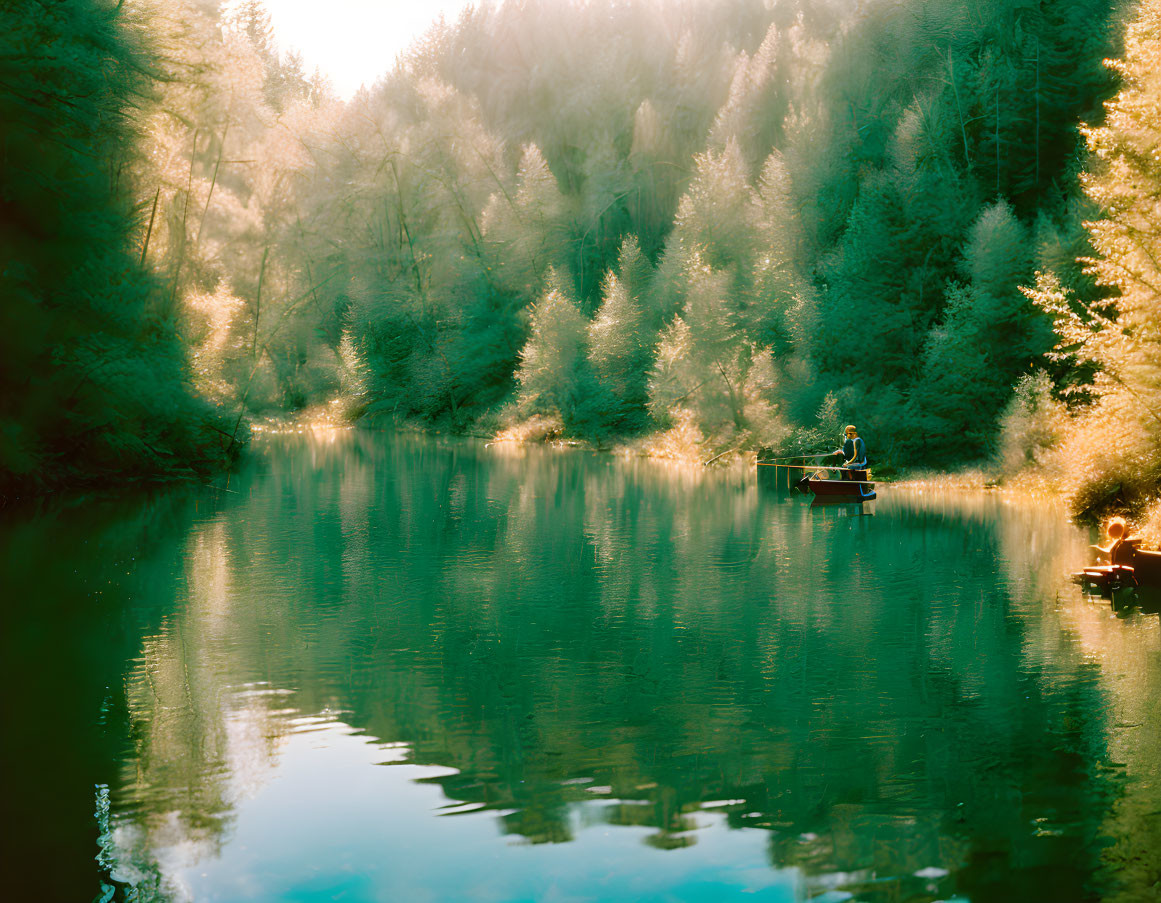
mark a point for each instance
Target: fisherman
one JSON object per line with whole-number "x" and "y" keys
{"x": 854, "y": 451}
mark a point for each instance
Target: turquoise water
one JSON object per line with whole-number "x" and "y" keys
{"x": 396, "y": 668}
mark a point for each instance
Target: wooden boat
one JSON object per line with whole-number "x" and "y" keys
{"x": 813, "y": 478}
{"x": 1124, "y": 566}
{"x": 1106, "y": 578}
{"x": 825, "y": 488}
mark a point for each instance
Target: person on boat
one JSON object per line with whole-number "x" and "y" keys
{"x": 854, "y": 451}
{"x": 1121, "y": 548}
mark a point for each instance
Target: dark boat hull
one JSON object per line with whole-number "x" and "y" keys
{"x": 841, "y": 490}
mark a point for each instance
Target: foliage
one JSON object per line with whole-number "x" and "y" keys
{"x": 552, "y": 360}
{"x": 750, "y": 212}
{"x": 989, "y": 333}
{"x": 93, "y": 378}
{"x": 1112, "y": 447}
{"x": 1032, "y": 426}
{"x": 717, "y": 226}
{"x": 619, "y": 347}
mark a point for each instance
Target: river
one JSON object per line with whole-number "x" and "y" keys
{"x": 400, "y": 668}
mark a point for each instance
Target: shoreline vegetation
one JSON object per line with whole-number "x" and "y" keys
{"x": 968, "y": 479}
{"x": 682, "y": 231}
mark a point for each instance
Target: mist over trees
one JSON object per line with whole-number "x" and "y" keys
{"x": 825, "y": 203}
{"x": 689, "y": 227}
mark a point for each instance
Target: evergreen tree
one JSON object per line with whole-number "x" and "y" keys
{"x": 715, "y": 217}
{"x": 253, "y": 20}
{"x": 778, "y": 286}
{"x": 618, "y": 350}
{"x": 552, "y": 359}
{"x": 705, "y": 365}
{"x": 990, "y": 337}
{"x": 525, "y": 227}
{"x": 633, "y": 268}
{"x": 758, "y": 102}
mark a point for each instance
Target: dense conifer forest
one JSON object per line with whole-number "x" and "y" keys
{"x": 684, "y": 228}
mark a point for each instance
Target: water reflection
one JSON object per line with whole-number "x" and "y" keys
{"x": 654, "y": 681}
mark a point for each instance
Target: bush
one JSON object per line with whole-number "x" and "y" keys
{"x": 1032, "y": 426}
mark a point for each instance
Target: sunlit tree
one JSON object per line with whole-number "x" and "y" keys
{"x": 1113, "y": 454}
{"x": 550, "y": 363}
{"x": 619, "y": 347}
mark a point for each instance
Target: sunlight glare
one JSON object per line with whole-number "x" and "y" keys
{"x": 354, "y": 42}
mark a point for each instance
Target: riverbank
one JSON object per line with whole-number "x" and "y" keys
{"x": 683, "y": 445}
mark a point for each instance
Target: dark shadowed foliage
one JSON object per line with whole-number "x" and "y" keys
{"x": 93, "y": 380}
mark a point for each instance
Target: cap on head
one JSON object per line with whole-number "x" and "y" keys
{"x": 850, "y": 428}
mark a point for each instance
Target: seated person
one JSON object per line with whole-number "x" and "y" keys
{"x": 854, "y": 451}
{"x": 1120, "y": 548}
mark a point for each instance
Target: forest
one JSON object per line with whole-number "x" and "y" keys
{"x": 678, "y": 228}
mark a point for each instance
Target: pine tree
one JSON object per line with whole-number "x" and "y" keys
{"x": 715, "y": 217}
{"x": 253, "y": 20}
{"x": 703, "y": 358}
{"x": 618, "y": 348}
{"x": 757, "y": 104}
{"x": 633, "y": 267}
{"x": 551, "y": 360}
{"x": 778, "y": 285}
{"x": 990, "y": 337}
{"x": 525, "y": 227}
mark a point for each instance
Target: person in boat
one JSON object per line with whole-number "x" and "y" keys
{"x": 854, "y": 452}
{"x": 1122, "y": 548}
{"x": 1124, "y": 551}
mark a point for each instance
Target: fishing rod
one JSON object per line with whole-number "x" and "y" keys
{"x": 828, "y": 468}
{"x": 800, "y": 457}
{"x": 819, "y": 466}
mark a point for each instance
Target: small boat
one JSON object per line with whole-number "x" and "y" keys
{"x": 1106, "y": 578}
{"x": 1126, "y": 566}
{"x": 1123, "y": 564}
{"x": 844, "y": 486}
{"x": 826, "y": 488}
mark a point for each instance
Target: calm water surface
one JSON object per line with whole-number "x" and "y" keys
{"x": 405, "y": 669}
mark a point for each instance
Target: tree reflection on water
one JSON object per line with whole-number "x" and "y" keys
{"x": 564, "y": 632}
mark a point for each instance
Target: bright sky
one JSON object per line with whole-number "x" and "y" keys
{"x": 354, "y": 41}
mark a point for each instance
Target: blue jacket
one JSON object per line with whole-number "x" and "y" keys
{"x": 855, "y": 453}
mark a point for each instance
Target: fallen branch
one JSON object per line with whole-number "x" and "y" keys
{"x": 721, "y": 455}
